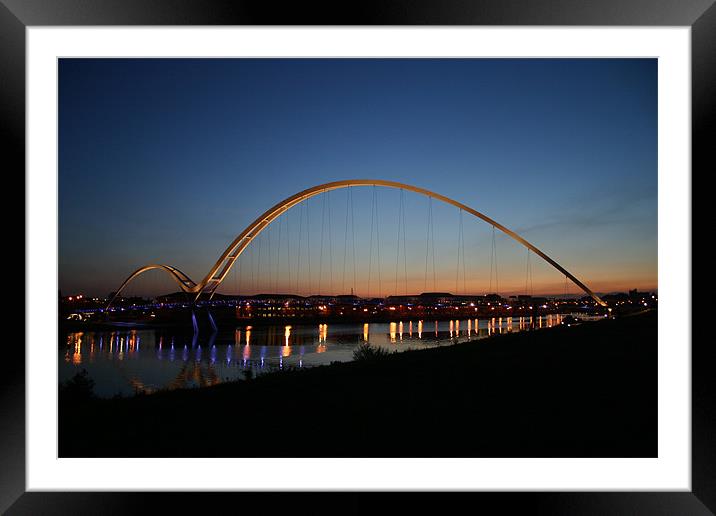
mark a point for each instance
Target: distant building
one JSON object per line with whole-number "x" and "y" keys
{"x": 435, "y": 298}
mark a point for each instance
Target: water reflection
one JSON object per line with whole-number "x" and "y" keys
{"x": 147, "y": 360}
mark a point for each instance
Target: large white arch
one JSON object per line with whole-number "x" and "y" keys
{"x": 223, "y": 265}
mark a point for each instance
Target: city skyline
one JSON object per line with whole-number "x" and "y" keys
{"x": 167, "y": 161}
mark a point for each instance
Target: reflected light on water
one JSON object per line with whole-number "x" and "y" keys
{"x": 77, "y": 355}
{"x": 146, "y": 359}
{"x": 91, "y": 355}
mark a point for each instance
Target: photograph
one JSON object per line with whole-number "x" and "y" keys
{"x": 299, "y": 256}
{"x": 357, "y": 257}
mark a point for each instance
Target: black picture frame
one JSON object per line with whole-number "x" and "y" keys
{"x": 17, "y": 15}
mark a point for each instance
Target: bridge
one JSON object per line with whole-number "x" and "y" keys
{"x": 208, "y": 285}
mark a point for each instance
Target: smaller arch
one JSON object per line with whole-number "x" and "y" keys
{"x": 185, "y": 282}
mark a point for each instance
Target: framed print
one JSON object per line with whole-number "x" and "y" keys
{"x": 416, "y": 249}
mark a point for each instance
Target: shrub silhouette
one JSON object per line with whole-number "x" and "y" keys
{"x": 368, "y": 352}
{"x": 78, "y": 388}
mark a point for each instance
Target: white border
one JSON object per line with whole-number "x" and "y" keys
{"x": 671, "y": 471}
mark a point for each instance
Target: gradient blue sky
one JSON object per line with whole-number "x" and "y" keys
{"x": 167, "y": 160}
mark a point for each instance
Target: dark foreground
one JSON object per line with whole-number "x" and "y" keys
{"x": 583, "y": 391}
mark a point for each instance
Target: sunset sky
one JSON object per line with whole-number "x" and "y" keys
{"x": 167, "y": 160}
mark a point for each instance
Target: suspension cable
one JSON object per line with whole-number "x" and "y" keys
{"x": 330, "y": 244}
{"x": 405, "y": 251}
{"x": 432, "y": 238}
{"x": 430, "y": 250}
{"x": 288, "y": 252}
{"x": 464, "y": 275}
{"x": 278, "y": 257}
{"x": 370, "y": 248}
{"x": 462, "y": 251}
{"x": 345, "y": 245}
{"x": 298, "y": 264}
{"x": 493, "y": 260}
{"x": 253, "y": 285}
{"x": 492, "y": 257}
{"x": 497, "y": 279}
{"x": 457, "y": 267}
{"x": 427, "y": 243}
{"x": 397, "y": 241}
{"x": 238, "y": 279}
{"x": 353, "y": 236}
{"x": 269, "y": 257}
{"x": 528, "y": 275}
{"x": 377, "y": 240}
{"x": 323, "y": 228}
{"x": 308, "y": 245}
{"x": 532, "y": 287}
{"x": 258, "y": 265}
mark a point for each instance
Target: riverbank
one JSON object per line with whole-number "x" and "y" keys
{"x": 582, "y": 391}
{"x": 226, "y": 320}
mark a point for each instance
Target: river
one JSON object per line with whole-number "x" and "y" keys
{"x": 128, "y": 361}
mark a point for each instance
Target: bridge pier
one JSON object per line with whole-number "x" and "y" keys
{"x": 211, "y": 320}
{"x": 193, "y": 322}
